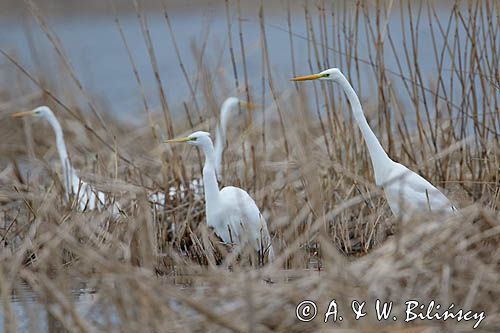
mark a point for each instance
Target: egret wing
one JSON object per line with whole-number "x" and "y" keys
{"x": 409, "y": 191}
{"x": 244, "y": 216}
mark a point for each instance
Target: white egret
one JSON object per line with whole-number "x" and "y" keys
{"x": 228, "y": 107}
{"x": 231, "y": 211}
{"x": 406, "y": 191}
{"x": 87, "y": 197}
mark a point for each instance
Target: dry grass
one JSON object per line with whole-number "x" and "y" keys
{"x": 307, "y": 169}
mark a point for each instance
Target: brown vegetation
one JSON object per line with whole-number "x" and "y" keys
{"x": 309, "y": 172}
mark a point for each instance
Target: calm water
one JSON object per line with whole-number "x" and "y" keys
{"x": 97, "y": 52}
{"x": 32, "y": 316}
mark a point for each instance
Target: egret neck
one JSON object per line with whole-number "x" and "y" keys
{"x": 211, "y": 187}
{"x": 220, "y": 135}
{"x": 63, "y": 153}
{"x": 379, "y": 157}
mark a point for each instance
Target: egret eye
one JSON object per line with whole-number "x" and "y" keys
{"x": 326, "y": 75}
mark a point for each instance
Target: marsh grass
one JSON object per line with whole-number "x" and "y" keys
{"x": 303, "y": 161}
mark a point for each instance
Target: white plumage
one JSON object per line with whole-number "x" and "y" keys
{"x": 76, "y": 191}
{"x": 407, "y": 193}
{"x": 196, "y": 185}
{"x": 231, "y": 211}
{"x": 228, "y": 107}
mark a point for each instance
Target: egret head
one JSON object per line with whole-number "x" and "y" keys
{"x": 39, "y": 112}
{"x": 199, "y": 138}
{"x": 332, "y": 74}
{"x": 232, "y": 102}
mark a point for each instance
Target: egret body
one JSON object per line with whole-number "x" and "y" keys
{"x": 87, "y": 197}
{"x": 406, "y": 191}
{"x": 231, "y": 211}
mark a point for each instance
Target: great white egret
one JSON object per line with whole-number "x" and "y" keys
{"x": 227, "y": 109}
{"x": 86, "y": 197}
{"x": 231, "y": 211}
{"x": 406, "y": 191}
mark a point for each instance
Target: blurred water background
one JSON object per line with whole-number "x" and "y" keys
{"x": 91, "y": 39}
